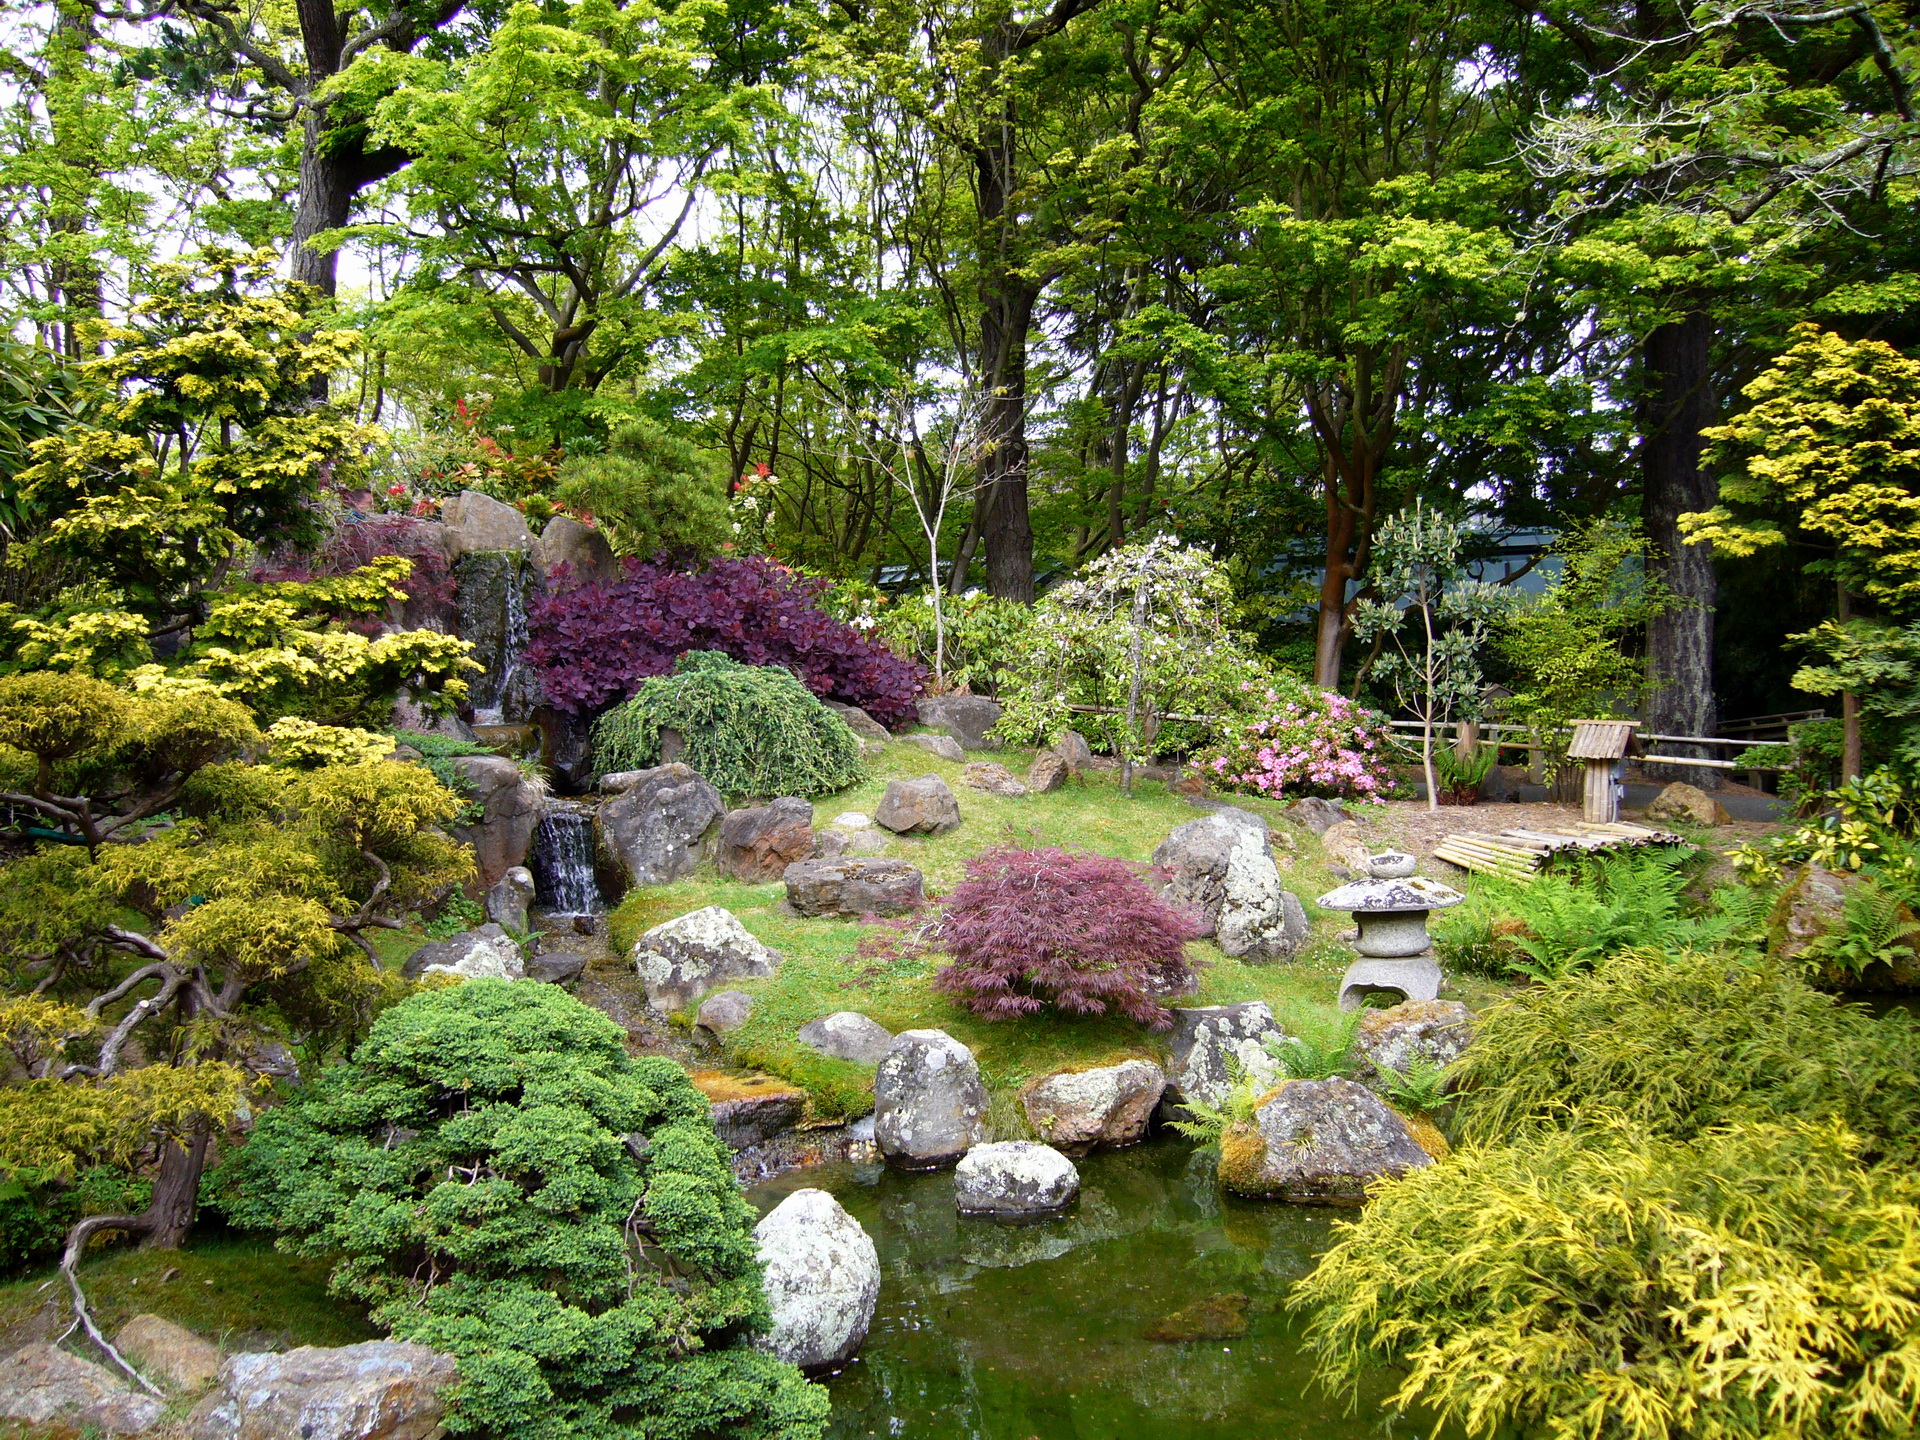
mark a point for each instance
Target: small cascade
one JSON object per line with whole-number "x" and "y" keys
{"x": 562, "y": 861}
{"x": 492, "y": 609}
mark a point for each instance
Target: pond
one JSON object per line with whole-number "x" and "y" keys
{"x": 988, "y": 1331}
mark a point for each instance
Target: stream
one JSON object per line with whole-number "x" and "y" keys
{"x": 988, "y": 1331}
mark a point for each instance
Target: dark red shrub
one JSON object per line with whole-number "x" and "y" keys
{"x": 429, "y": 586}
{"x": 593, "y": 645}
{"x": 1084, "y": 932}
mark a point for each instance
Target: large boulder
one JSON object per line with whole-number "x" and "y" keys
{"x": 1811, "y": 906}
{"x": 491, "y": 589}
{"x": 1319, "y": 1142}
{"x": 870, "y": 730}
{"x": 583, "y": 550}
{"x": 1688, "y": 804}
{"x": 41, "y": 1383}
{"x": 724, "y": 1011}
{"x": 488, "y": 953}
{"x": 377, "y": 1390}
{"x": 169, "y": 1353}
{"x": 1077, "y": 1110}
{"x": 659, "y": 826}
{"x": 822, "y": 1277}
{"x": 477, "y": 523}
{"x": 509, "y": 805}
{"x": 1434, "y": 1031}
{"x": 1014, "y": 1177}
{"x": 945, "y": 746}
{"x": 1205, "y": 1036}
{"x": 853, "y": 886}
{"x": 757, "y": 844}
{"x": 992, "y": 777}
{"x": 967, "y": 718}
{"x": 684, "y": 958}
{"x": 1316, "y": 813}
{"x": 1047, "y": 773}
{"x": 929, "y": 1102}
{"x": 557, "y": 967}
{"x": 508, "y": 900}
{"x": 1072, "y": 747}
{"x": 847, "y": 1035}
{"x": 1345, "y": 843}
{"x": 1221, "y": 867}
{"x": 749, "y": 1110}
{"x": 918, "y": 807}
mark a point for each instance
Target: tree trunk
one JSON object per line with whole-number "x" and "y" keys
{"x": 1006, "y": 314}
{"x": 176, "y": 1192}
{"x": 75, "y": 276}
{"x": 1330, "y": 634}
{"x": 1677, "y": 404}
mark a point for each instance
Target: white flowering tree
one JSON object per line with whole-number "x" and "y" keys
{"x": 1147, "y": 632}
{"x": 1431, "y": 622}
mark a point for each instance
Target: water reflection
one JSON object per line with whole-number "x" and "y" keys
{"x": 988, "y": 1331}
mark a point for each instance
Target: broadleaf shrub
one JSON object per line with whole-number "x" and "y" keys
{"x": 1753, "y": 1282}
{"x": 750, "y": 729}
{"x": 501, "y": 1180}
{"x": 1680, "y": 1044}
{"x": 592, "y": 646}
{"x": 1303, "y": 741}
{"x": 1046, "y": 926}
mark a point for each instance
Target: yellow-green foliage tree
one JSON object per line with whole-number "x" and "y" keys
{"x": 187, "y": 906}
{"x": 1830, "y": 453}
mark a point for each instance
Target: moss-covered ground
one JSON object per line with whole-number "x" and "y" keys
{"x": 823, "y": 971}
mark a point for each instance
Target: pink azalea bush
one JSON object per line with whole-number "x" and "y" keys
{"x": 1306, "y": 742}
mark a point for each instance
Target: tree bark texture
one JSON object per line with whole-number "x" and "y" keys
{"x": 1677, "y": 404}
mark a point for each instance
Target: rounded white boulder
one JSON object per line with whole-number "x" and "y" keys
{"x": 1014, "y": 1177}
{"x": 822, "y": 1280}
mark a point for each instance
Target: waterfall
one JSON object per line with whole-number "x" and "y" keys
{"x": 563, "y": 861}
{"x": 492, "y": 611}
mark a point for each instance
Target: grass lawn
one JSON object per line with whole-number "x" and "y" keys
{"x": 822, "y": 973}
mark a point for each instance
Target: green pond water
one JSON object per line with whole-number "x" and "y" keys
{"x": 987, "y": 1331}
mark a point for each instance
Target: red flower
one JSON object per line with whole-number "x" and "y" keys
{"x": 763, "y": 471}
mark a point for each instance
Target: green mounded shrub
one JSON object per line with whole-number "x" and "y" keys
{"x": 1680, "y": 1044}
{"x": 501, "y": 1180}
{"x": 1754, "y": 1282}
{"x": 750, "y": 729}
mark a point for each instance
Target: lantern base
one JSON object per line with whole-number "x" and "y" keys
{"x": 1417, "y": 978}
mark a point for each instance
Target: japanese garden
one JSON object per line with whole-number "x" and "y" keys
{"x": 1096, "y": 720}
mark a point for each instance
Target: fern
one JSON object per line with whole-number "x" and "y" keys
{"x": 1876, "y": 928}
{"x": 1320, "y": 1046}
{"x": 1420, "y": 1089}
{"x": 1205, "y": 1123}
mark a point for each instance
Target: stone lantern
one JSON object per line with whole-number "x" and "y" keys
{"x": 1390, "y": 908}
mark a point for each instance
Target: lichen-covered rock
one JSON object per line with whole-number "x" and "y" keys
{"x": 658, "y": 828}
{"x": 1014, "y": 1177}
{"x": 751, "y": 1109}
{"x": 507, "y": 902}
{"x": 169, "y": 1353}
{"x": 992, "y": 777}
{"x": 488, "y": 953}
{"x": 1047, "y": 773}
{"x": 584, "y": 551}
{"x": 854, "y": 886}
{"x": 684, "y": 958}
{"x": 1811, "y": 906}
{"x": 509, "y": 803}
{"x": 1205, "y": 1036}
{"x": 724, "y": 1012}
{"x": 929, "y": 1102}
{"x": 918, "y": 807}
{"x": 1345, "y": 844}
{"x": 870, "y": 730}
{"x": 967, "y": 718}
{"x": 1077, "y": 1110}
{"x": 822, "y": 1277}
{"x": 1221, "y": 868}
{"x": 1320, "y": 1142}
{"x": 945, "y": 746}
{"x": 1688, "y": 804}
{"x": 1435, "y": 1031}
{"x": 757, "y": 844}
{"x": 41, "y": 1383}
{"x": 377, "y": 1390}
{"x": 1316, "y": 813}
{"x": 847, "y": 1035}
{"x": 476, "y": 523}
